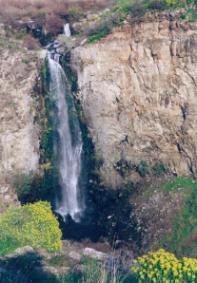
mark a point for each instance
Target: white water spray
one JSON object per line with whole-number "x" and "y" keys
{"x": 67, "y": 31}
{"x": 69, "y": 147}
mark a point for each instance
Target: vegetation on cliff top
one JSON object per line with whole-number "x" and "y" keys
{"x": 136, "y": 9}
{"x": 48, "y": 13}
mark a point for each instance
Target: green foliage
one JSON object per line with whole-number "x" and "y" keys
{"x": 182, "y": 239}
{"x": 137, "y": 9}
{"x": 190, "y": 15}
{"x": 31, "y": 189}
{"x": 124, "y": 167}
{"x": 143, "y": 168}
{"x": 59, "y": 261}
{"x": 129, "y": 187}
{"x": 92, "y": 272}
{"x": 42, "y": 187}
{"x": 97, "y": 36}
{"x": 96, "y": 272}
{"x": 47, "y": 140}
{"x": 164, "y": 267}
{"x": 23, "y": 184}
{"x": 123, "y": 6}
{"x": 159, "y": 169}
{"x": 45, "y": 76}
{"x": 25, "y": 268}
{"x": 181, "y": 183}
{"x": 100, "y": 32}
{"x": 48, "y": 121}
{"x": 32, "y": 225}
{"x": 172, "y": 3}
{"x": 72, "y": 277}
{"x": 75, "y": 13}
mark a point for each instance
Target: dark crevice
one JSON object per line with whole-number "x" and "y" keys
{"x": 185, "y": 111}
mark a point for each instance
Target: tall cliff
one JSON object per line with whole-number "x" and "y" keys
{"x": 19, "y": 134}
{"x": 138, "y": 90}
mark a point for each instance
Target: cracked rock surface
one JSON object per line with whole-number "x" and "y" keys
{"x": 19, "y": 135}
{"x": 138, "y": 90}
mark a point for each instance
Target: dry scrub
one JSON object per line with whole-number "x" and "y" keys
{"x": 15, "y": 9}
{"x": 51, "y": 14}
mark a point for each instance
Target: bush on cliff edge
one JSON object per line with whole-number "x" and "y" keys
{"x": 33, "y": 225}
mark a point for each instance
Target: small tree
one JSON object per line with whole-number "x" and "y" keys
{"x": 143, "y": 168}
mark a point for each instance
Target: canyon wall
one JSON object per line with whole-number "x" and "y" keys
{"x": 138, "y": 90}
{"x": 19, "y": 134}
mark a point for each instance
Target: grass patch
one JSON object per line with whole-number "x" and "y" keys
{"x": 98, "y": 36}
{"x": 73, "y": 277}
{"x": 183, "y": 238}
{"x": 60, "y": 261}
{"x": 180, "y": 183}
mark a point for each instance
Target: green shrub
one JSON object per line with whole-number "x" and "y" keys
{"x": 129, "y": 187}
{"x": 96, "y": 272}
{"x": 157, "y": 5}
{"x": 190, "y": 15}
{"x": 181, "y": 3}
{"x": 32, "y": 225}
{"x": 98, "y": 36}
{"x": 75, "y": 13}
{"x": 31, "y": 189}
{"x": 23, "y": 184}
{"x": 124, "y": 167}
{"x": 123, "y": 6}
{"x": 172, "y": 3}
{"x": 73, "y": 277}
{"x": 143, "y": 168}
{"x": 99, "y": 32}
{"x": 159, "y": 169}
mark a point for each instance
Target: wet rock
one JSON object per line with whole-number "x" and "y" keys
{"x": 94, "y": 254}
{"x": 75, "y": 255}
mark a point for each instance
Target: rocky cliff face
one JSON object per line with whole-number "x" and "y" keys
{"x": 19, "y": 142}
{"x": 138, "y": 89}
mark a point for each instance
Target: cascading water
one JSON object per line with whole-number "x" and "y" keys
{"x": 67, "y": 31}
{"x": 69, "y": 145}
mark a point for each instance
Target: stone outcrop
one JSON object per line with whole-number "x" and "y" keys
{"x": 138, "y": 90}
{"x": 19, "y": 134}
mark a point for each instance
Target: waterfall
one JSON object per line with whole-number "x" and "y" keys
{"x": 67, "y": 31}
{"x": 69, "y": 147}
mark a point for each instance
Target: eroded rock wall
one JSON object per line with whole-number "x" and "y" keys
{"x": 138, "y": 90}
{"x": 19, "y": 134}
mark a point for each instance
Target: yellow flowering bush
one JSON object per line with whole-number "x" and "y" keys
{"x": 33, "y": 225}
{"x": 164, "y": 267}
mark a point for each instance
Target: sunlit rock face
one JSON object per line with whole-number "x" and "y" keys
{"x": 138, "y": 89}
{"x": 19, "y": 142}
